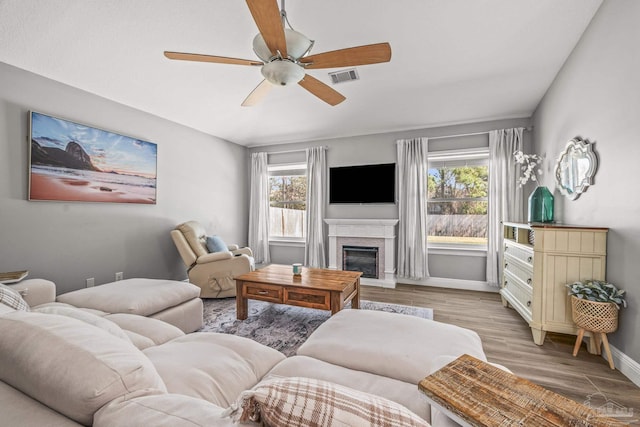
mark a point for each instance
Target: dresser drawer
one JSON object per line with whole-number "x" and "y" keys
{"x": 263, "y": 292}
{"x": 521, "y": 295}
{"x": 520, "y": 252}
{"x": 311, "y": 298}
{"x": 524, "y": 272}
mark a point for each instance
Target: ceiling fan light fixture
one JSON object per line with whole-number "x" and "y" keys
{"x": 298, "y": 45}
{"x": 282, "y": 72}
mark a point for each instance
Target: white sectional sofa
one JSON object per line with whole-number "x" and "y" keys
{"x": 65, "y": 366}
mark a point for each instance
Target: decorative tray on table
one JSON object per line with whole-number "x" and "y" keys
{"x": 13, "y": 276}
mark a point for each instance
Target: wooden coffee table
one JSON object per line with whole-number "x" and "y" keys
{"x": 314, "y": 288}
{"x": 474, "y": 393}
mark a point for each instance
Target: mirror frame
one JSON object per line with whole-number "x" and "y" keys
{"x": 584, "y": 149}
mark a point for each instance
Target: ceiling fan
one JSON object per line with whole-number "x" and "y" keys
{"x": 284, "y": 55}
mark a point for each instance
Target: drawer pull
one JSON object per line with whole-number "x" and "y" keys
{"x": 263, "y": 292}
{"x": 528, "y": 303}
{"x": 506, "y": 265}
{"x": 505, "y": 283}
{"x": 505, "y": 248}
{"x": 529, "y": 259}
{"x": 529, "y": 281}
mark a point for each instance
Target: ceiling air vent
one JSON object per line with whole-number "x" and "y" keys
{"x": 344, "y": 76}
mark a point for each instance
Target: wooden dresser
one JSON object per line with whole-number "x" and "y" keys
{"x": 538, "y": 260}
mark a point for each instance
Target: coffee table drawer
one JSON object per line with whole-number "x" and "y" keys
{"x": 262, "y": 292}
{"x": 312, "y": 298}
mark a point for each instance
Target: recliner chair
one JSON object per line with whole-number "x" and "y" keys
{"x": 213, "y": 272}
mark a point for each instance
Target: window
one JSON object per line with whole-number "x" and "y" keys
{"x": 458, "y": 185}
{"x": 287, "y": 201}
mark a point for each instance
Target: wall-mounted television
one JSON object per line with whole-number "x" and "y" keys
{"x": 363, "y": 184}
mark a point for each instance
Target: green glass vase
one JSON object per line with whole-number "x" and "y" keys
{"x": 541, "y": 205}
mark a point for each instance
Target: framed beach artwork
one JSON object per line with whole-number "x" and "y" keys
{"x": 73, "y": 162}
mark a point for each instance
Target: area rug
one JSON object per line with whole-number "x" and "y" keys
{"x": 279, "y": 326}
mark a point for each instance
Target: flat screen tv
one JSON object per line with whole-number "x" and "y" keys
{"x": 364, "y": 184}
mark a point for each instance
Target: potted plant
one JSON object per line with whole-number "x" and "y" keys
{"x": 595, "y": 305}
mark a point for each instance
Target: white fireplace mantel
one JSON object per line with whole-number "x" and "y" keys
{"x": 381, "y": 230}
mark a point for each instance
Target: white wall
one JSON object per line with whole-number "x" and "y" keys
{"x": 199, "y": 177}
{"x": 381, "y": 148}
{"x": 596, "y": 96}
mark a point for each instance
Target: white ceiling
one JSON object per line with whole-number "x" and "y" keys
{"x": 453, "y": 61}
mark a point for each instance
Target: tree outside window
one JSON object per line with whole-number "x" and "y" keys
{"x": 457, "y": 200}
{"x": 287, "y": 201}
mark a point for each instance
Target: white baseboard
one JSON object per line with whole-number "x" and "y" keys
{"x": 629, "y": 367}
{"x": 378, "y": 283}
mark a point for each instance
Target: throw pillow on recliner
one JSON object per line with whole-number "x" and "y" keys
{"x": 216, "y": 244}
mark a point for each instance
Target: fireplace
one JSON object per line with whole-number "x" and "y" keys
{"x": 361, "y": 258}
{"x": 375, "y": 234}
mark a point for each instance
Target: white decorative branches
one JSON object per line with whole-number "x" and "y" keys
{"x": 529, "y": 164}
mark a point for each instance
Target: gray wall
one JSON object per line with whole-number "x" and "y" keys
{"x": 381, "y": 148}
{"x": 596, "y": 96}
{"x": 199, "y": 177}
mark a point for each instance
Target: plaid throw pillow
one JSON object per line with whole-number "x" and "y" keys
{"x": 307, "y": 402}
{"x": 12, "y": 298}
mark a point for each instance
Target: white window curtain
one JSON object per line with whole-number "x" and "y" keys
{"x": 505, "y": 194}
{"x": 314, "y": 248}
{"x": 412, "y": 208}
{"x": 259, "y": 209}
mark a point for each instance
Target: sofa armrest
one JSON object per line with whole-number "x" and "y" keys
{"x": 36, "y": 291}
{"x": 214, "y": 256}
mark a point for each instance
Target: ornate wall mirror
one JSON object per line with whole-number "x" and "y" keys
{"x": 576, "y": 168}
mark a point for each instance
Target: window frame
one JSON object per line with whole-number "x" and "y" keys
{"x": 453, "y": 158}
{"x": 283, "y": 167}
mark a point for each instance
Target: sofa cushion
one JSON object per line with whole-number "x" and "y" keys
{"x": 157, "y": 331}
{"x": 400, "y": 392}
{"x": 134, "y": 296}
{"x": 84, "y": 316}
{"x": 388, "y": 344}
{"x": 88, "y": 368}
{"x": 12, "y": 298}
{"x": 18, "y": 409}
{"x": 212, "y": 366}
{"x": 297, "y": 401}
{"x": 173, "y": 410}
{"x": 216, "y": 244}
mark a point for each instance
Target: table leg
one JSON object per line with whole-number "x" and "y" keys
{"x": 242, "y": 306}
{"x": 336, "y": 302}
{"x": 355, "y": 302}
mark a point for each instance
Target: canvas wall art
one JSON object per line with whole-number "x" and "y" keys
{"x": 78, "y": 163}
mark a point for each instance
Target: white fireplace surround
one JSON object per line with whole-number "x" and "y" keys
{"x": 380, "y": 233}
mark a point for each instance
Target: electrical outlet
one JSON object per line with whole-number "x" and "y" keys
{"x": 119, "y": 276}
{"x": 91, "y": 282}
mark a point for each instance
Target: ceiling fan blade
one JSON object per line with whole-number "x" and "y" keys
{"x": 349, "y": 57}
{"x": 257, "y": 94}
{"x": 321, "y": 90}
{"x": 210, "y": 58}
{"x": 269, "y": 22}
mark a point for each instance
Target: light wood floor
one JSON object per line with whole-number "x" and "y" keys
{"x": 507, "y": 340}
